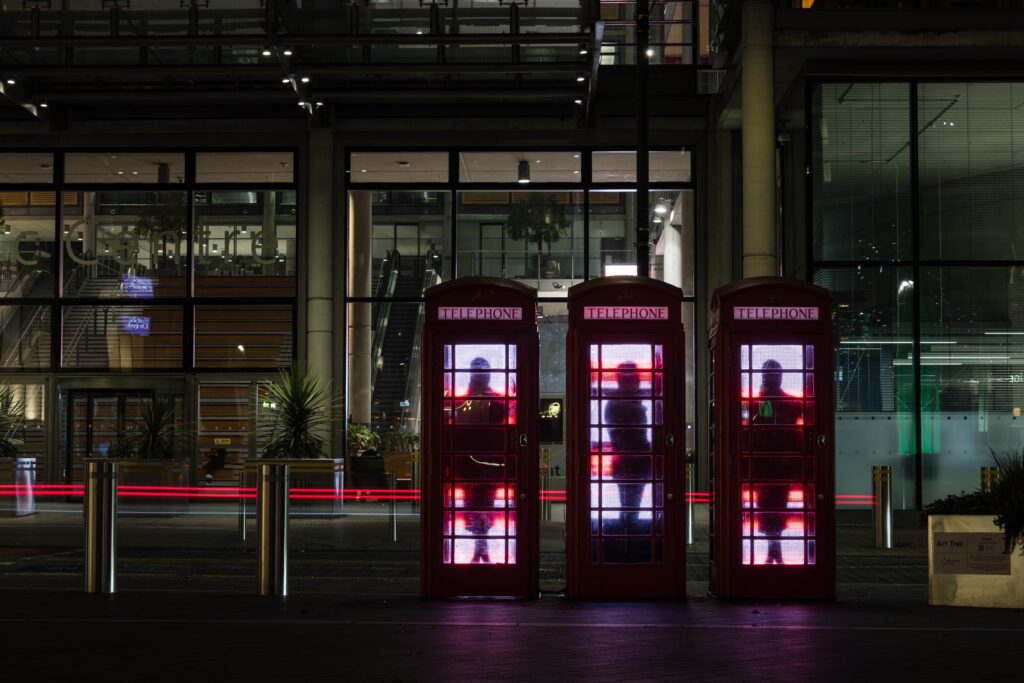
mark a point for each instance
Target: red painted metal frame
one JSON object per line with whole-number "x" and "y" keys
{"x": 438, "y": 579}
{"x": 729, "y": 577}
{"x": 624, "y": 581}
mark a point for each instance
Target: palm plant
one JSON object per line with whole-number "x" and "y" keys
{"x": 155, "y": 433}
{"x": 12, "y": 417}
{"x": 300, "y": 422}
{"x": 1007, "y": 498}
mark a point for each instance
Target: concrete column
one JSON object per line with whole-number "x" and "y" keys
{"x": 758, "y": 90}
{"x": 320, "y": 259}
{"x": 360, "y": 316}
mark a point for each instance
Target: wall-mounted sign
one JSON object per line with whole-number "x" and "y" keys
{"x": 222, "y": 442}
{"x": 138, "y": 287}
{"x": 479, "y": 313}
{"x": 970, "y": 553}
{"x": 625, "y": 312}
{"x": 136, "y": 325}
{"x": 776, "y": 313}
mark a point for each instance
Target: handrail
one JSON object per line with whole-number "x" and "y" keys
{"x": 412, "y": 422}
{"x": 385, "y": 290}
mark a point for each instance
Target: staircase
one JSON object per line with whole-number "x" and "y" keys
{"x": 389, "y": 388}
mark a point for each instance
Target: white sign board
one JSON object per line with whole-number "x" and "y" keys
{"x": 969, "y": 553}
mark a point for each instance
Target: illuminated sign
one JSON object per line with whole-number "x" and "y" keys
{"x": 479, "y": 313}
{"x": 136, "y": 325}
{"x": 222, "y": 442}
{"x": 138, "y": 287}
{"x": 625, "y": 312}
{"x": 775, "y": 313}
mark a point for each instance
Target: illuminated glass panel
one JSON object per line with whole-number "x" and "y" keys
{"x": 479, "y": 475}
{"x": 777, "y": 489}
{"x": 626, "y": 465}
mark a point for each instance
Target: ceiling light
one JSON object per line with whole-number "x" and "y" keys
{"x": 120, "y": 173}
{"x": 578, "y": 101}
{"x": 580, "y": 79}
{"x": 575, "y": 156}
{"x": 241, "y": 348}
{"x": 319, "y": 103}
{"x": 657, "y": 220}
{"x": 660, "y": 209}
{"x": 583, "y": 50}
{"x": 266, "y": 52}
{"x": 650, "y": 52}
{"x": 10, "y": 81}
{"x": 523, "y": 171}
{"x": 287, "y": 52}
{"x": 286, "y": 81}
{"x": 44, "y": 105}
{"x": 304, "y": 79}
{"x": 302, "y": 103}
{"x": 404, "y": 164}
{"x": 362, "y": 170}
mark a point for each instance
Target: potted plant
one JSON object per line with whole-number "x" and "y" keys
{"x": 298, "y": 431}
{"x": 21, "y": 473}
{"x": 401, "y": 449}
{"x": 538, "y": 219}
{"x": 971, "y": 542}
{"x": 155, "y": 446}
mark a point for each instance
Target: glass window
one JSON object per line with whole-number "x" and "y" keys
{"x": 125, "y": 244}
{"x": 27, "y": 245}
{"x": 860, "y": 171}
{"x": 26, "y": 168}
{"x": 972, "y": 158}
{"x": 245, "y": 167}
{"x": 519, "y": 167}
{"x": 229, "y": 337}
{"x": 25, "y": 337}
{"x": 159, "y": 167}
{"x": 972, "y": 374}
{"x": 130, "y": 337}
{"x": 533, "y": 237}
{"x": 399, "y": 167}
{"x": 672, "y": 235}
{"x": 245, "y": 244}
{"x": 874, "y": 377}
{"x": 620, "y": 167}
{"x": 612, "y": 233}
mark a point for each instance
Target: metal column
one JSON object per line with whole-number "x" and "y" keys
{"x": 881, "y": 489}
{"x": 272, "y": 527}
{"x": 100, "y": 503}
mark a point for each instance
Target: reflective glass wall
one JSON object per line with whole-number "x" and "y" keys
{"x": 916, "y": 218}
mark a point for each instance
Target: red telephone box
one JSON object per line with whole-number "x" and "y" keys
{"x": 479, "y": 523}
{"x": 771, "y": 422}
{"x": 626, "y": 516}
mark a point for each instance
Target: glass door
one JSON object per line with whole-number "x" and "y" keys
{"x": 96, "y": 421}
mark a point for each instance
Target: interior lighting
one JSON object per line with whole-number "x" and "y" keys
{"x": 266, "y": 52}
{"x": 120, "y": 173}
{"x": 578, "y": 101}
{"x": 241, "y": 349}
{"x": 660, "y": 209}
{"x": 580, "y": 79}
{"x": 287, "y": 52}
{"x": 10, "y": 81}
{"x": 302, "y": 103}
{"x": 583, "y": 50}
{"x": 44, "y": 105}
{"x": 650, "y": 52}
{"x": 523, "y": 172}
{"x": 286, "y": 81}
{"x": 304, "y": 79}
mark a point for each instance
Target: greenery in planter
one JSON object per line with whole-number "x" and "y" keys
{"x": 401, "y": 441}
{"x": 156, "y": 434}
{"x": 538, "y": 219}
{"x": 300, "y": 421}
{"x": 12, "y": 417}
{"x": 361, "y": 438}
{"x": 1007, "y": 498}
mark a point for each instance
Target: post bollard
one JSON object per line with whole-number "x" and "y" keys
{"x": 100, "y": 503}
{"x": 881, "y": 488}
{"x": 272, "y": 527}
{"x": 691, "y": 536}
{"x": 414, "y": 483}
{"x": 393, "y": 485}
{"x": 241, "y": 505}
{"x": 989, "y": 476}
{"x": 545, "y": 506}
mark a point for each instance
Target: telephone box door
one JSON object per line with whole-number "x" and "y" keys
{"x": 480, "y": 509}
{"x": 626, "y": 446}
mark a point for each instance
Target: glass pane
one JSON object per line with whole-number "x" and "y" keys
{"x": 28, "y": 247}
{"x": 26, "y": 168}
{"x": 672, "y": 237}
{"x": 860, "y": 171}
{"x": 620, "y": 167}
{"x": 533, "y": 237}
{"x": 971, "y": 151}
{"x": 122, "y": 337}
{"x": 125, "y": 245}
{"x": 612, "y": 233}
{"x": 874, "y": 378}
{"x": 399, "y": 167}
{"x": 25, "y": 337}
{"x": 225, "y": 417}
{"x": 243, "y": 337}
{"x": 245, "y": 244}
{"x": 245, "y": 167}
{"x": 519, "y": 167}
{"x": 158, "y": 167}
{"x": 398, "y": 242}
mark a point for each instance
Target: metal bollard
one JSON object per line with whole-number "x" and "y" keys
{"x": 691, "y": 536}
{"x": 881, "y": 489}
{"x": 272, "y": 527}
{"x": 545, "y": 509}
{"x": 100, "y": 503}
{"x": 415, "y": 485}
{"x": 989, "y": 476}
{"x": 241, "y": 506}
{"x": 393, "y": 485}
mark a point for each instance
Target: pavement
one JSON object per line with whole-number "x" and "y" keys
{"x": 186, "y": 606}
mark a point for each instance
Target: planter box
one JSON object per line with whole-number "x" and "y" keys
{"x": 967, "y": 566}
{"x": 20, "y": 472}
{"x": 327, "y": 476}
{"x": 156, "y": 472}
